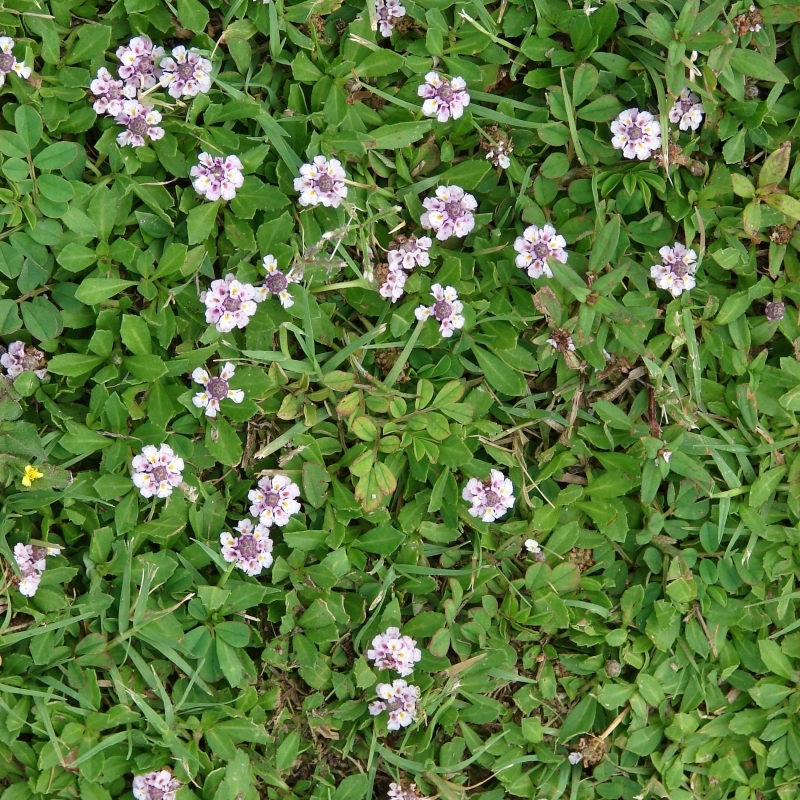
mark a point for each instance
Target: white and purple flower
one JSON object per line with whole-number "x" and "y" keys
{"x": 394, "y": 284}
{"x": 489, "y": 500}
{"x": 21, "y": 358}
{"x": 277, "y": 282}
{"x": 398, "y": 792}
{"x": 688, "y": 111}
{"x": 185, "y": 73}
{"x": 321, "y": 183}
{"x": 138, "y": 61}
{"x": 676, "y": 272}
{"x": 160, "y": 784}
{"x": 273, "y": 502}
{"x": 410, "y": 252}
{"x": 443, "y": 98}
{"x": 636, "y": 133}
{"x": 140, "y": 121}
{"x": 216, "y": 177}
{"x": 449, "y": 212}
{"x": 109, "y": 93}
{"x": 535, "y": 246}
{"x": 387, "y": 12}
{"x": 8, "y": 63}
{"x": 392, "y": 651}
{"x": 31, "y": 560}
{"x": 215, "y": 389}
{"x": 230, "y": 303}
{"x": 399, "y": 699}
{"x": 251, "y": 550}
{"x": 533, "y": 547}
{"x": 446, "y": 310}
{"x": 157, "y": 471}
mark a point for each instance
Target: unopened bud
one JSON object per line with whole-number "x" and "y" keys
{"x": 775, "y": 311}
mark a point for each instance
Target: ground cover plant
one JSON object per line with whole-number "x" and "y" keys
{"x": 398, "y": 399}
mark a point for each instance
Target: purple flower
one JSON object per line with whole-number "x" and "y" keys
{"x": 449, "y": 212}
{"x": 561, "y": 341}
{"x": 157, "y": 785}
{"x": 186, "y": 73}
{"x": 216, "y": 389}
{"x": 157, "y": 471}
{"x": 392, "y": 651}
{"x": 636, "y": 133}
{"x": 398, "y": 792}
{"x": 676, "y": 273}
{"x": 410, "y": 252}
{"x": 535, "y": 246}
{"x": 31, "y": 562}
{"x": 229, "y": 303}
{"x": 277, "y": 282}
{"x": 8, "y": 63}
{"x": 110, "y": 93}
{"x": 321, "y": 182}
{"x": 399, "y": 699}
{"x": 575, "y": 758}
{"x": 138, "y": 62}
{"x": 688, "y": 111}
{"x": 21, "y": 358}
{"x": 215, "y": 177}
{"x": 489, "y": 499}
{"x": 251, "y": 550}
{"x": 446, "y": 310}
{"x": 387, "y": 11}
{"x": 393, "y": 286}
{"x": 499, "y": 154}
{"x": 274, "y": 501}
{"x": 443, "y": 98}
{"x": 140, "y": 121}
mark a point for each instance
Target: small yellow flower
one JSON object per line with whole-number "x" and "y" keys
{"x": 31, "y": 474}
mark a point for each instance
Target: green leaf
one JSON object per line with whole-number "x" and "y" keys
{"x": 401, "y": 134}
{"x": 776, "y": 166}
{"x": 29, "y": 125}
{"x": 145, "y": 367}
{"x": 603, "y": 109}
{"x": 94, "y": 290}
{"x": 287, "y": 752}
{"x": 764, "y": 485}
{"x": 42, "y": 319}
{"x": 135, "y": 334}
{"x": 579, "y": 720}
{"x": 192, "y": 15}
{"x": 13, "y": 145}
{"x": 498, "y": 376}
{"x": 785, "y": 204}
{"x": 774, "y": 658}
{"x": 353, "y": 787}
{"x": 73, "y": 364}
{"x": 752, "y": 63}
{"x": 380, "y": 63}
{"x": 383, "y": 540}
{"x": 605, "y": 244}
{"x": 92, "y": 41}
{"x": 223, "y": 442}
{"x": 201, "y": 221}
{"x": 315, "y": 483}
{"x": 56, "y": 156}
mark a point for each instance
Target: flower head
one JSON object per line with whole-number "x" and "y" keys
{"x": 775, "y": 311}
{"x": 499, "y": 154}
{"x": 277, "y": 282}
{"x": 109, "y": 93}
{"x": 489, "y": 500}
{"x": 31, "y": 474}
{"x": 229, "y": 303}
{"x": 535, "y": 246}
{"x": 446, "y": 310}
{"x": 387, "y": 11}
{"x": 158, "y": 785}
{"x": 140, "y": 121}
{"x": 186, "y": 73}
{"x": 31, "y": 562}
{"x": 688, "y": 111}
{"x": 560, "y": 340}
{"x": 575, "y": 757}
{"x": 676, "y": 273}
{"x": 273, "y": 502}
{"x": 392, "y": 651}
{"x": 8, "y": 63}
{"x": 398, "y": 792}
{"x": 215, "y": 389}
{"x": 137, "y": 62}
{"x": 321, "y": 182}
{"x": 399, "y": 699}
{"x": 449, "y": 212}
{"x": 443, "y": 98}
{"x": 393, "y": 282}
{"x": 157, "y": 471}
{"x": 216, "y": 177}
{"x": 532, "y": 546}
{"x": 20, "y": 358}
{"x": 636, "y": 133}
{"x": 409, "y": 252}
{"x": 251, "y": 550}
